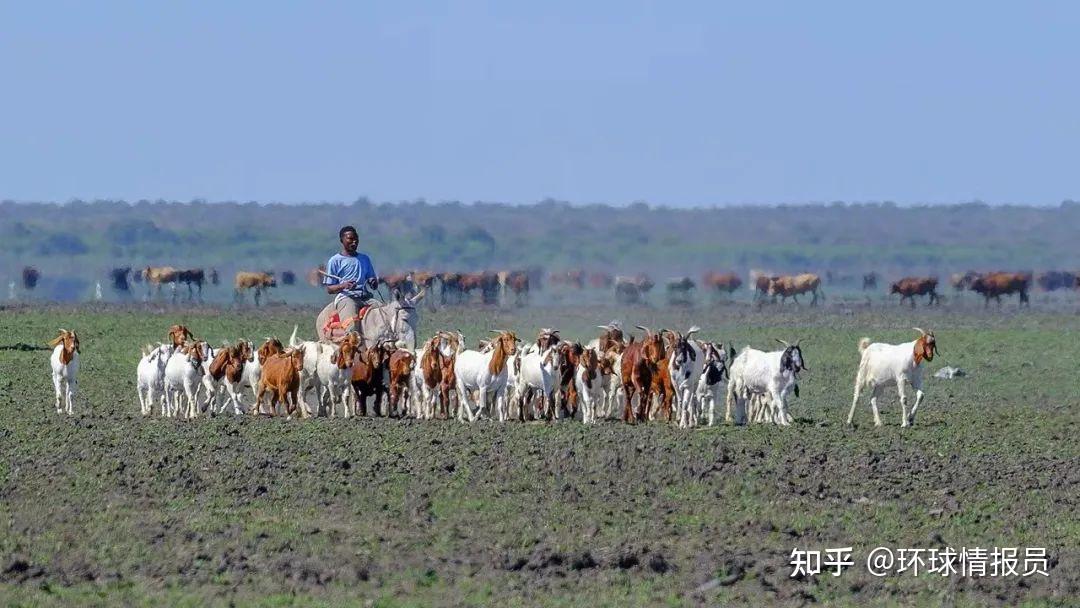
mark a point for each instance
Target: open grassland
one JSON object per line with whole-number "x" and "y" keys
{"x": 110, "y": 508}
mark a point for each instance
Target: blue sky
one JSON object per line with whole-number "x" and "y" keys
{"x": 678, "y": 103}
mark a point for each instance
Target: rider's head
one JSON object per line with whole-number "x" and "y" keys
{"x": 349, "y": 239}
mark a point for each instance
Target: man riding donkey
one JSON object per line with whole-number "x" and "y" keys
{"x": 350, "y": 277}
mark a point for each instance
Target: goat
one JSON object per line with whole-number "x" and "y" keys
{"x": 333, "y": 372}
{"x": 588, "y": 384}
{"x": 367, "y": 377}
{"x": 484, "y": 373}
{"x": 713, "y": 371}
{"x": 538, "y": 372}
{"x": 684, "y": 369}
{"x": 252, "y": 371}
{"x": 427, "y": 382}
{"x": 882, "y": 365}
{"x": 65, "y": 370}
{"x": 309, "y": 374}
{"x": 281, "y": 377}
{"x": 401, "y": 364}
{"x": 150, "y": 376}
{"x": 640, "y": 365}
{"x": 183, "y": 372}
{"x": 772, "y": 375}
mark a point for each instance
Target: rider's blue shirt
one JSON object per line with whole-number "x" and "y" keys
{"x": 350, "y": 268}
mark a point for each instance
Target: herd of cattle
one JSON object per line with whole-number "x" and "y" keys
{"x": 493, "y": 288}
{"x": 661, "y": 375}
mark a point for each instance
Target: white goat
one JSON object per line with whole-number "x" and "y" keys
{"x": 684, "y": 367}
{"x": 883, "y": 365}
{"x": 770, "y": 376}
{"x": 486, "y": 374}
{"x": 309, "y": 376}
{"x": 333, "y": 372}
{"x": 587, "y": 381}
{"x": 537, "y": 372}
{"x": 65, "y": 370}
{"x": 150, "y": 376}
{"x": 714, "y": 370}
{"x": 213, "y": 386}
{"x": 183, "y": 372}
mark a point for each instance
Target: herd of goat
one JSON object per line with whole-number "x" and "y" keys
{"x": 514, "y": 286}
{"x": 672, "y": 375}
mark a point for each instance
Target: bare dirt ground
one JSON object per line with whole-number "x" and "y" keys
{"x": 108, "y": 507}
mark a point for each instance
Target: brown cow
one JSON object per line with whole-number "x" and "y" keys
{"x": 792, "y": 286}
{"x": 156, "y": 276}
{"x": 253, "y": 280}
{"x": 997, "y": 284}
{"x": 517, "y": 282}
{"x": 569, "y": 278}
{"x": 641, "y": 364}
{"x": 314, "y": 276}
{"x": 909, "y": 287}
{"x": 725, "y": 282}
{"x": 401, "y": 365}
{"x": 450, "y": 288}
{"x": 281, "y": 377}
{"x": 601, "y": 280}
{"x": 961, "y": 282}
{"x": 760, "y": 280}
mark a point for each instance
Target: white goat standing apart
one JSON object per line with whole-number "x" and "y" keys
{"x": 766, "y": 378}
{"x": 183, "y": 372}
{"x": 882, "y": 365}
{"x": 150, "y": 376}
{"x": 65, "y": 370}
{"x": 484, "y": 373}
{"x": 713, "y": 371}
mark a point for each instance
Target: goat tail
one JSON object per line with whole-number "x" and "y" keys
{"x": 864, "y": 343}
{"x": 292, "y": 339}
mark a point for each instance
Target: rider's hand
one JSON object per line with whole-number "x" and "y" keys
{"x": 373, "y": 282}
{"x": 347, "y": 285}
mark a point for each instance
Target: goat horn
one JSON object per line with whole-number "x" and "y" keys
{"x": 644, "y": 329}
{"x": 781, "y": 341}
{"x": 919, "y": 330}
{"x": 693, "y": 329}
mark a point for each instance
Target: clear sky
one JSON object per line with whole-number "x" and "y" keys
{"x": 678, "y": 103}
